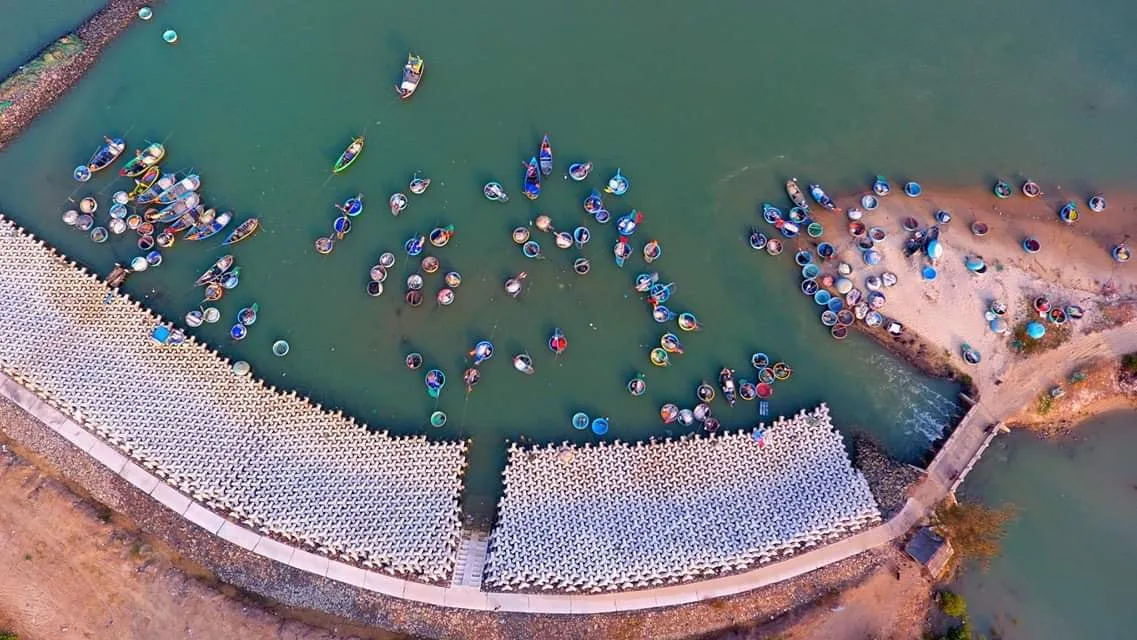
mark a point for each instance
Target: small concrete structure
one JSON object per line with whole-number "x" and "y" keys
{"x": 930, "y": 550}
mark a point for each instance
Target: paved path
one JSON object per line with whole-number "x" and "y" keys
{"x": 997, "y": 404}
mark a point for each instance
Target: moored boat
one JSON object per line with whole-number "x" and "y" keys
{"x": 143, "y": 159}
{"x": 593, "y": 203}
{"x": 637, "y": 386}
{"x": 144, "y": 183}
{"x": 243, "y": 231}
{"x": 659, "y": 357}
{"x": 151, "y": 194}
{"x": 514, "y": 286}
{"x": 412, "y": 76}
{"x": 545, "y": 157}
{"x": 106, "y": 154}
{"x": 705, "y": 393}
{"x": 188, "y": 220}
{"x": 557, "y": 342}
{"x": 418, "y": 186}
{"x": 668, "y": 413}
{"x": 670, "y": 343}
{"x": 580, "y": 421}
{"x": 531, "y": 183}
{"x": 627, "y": 224}
{"x": 1097, "y": 203}
{"x": 181, "y": 189}
{"x": 481, "y": 352}
{"x": 820, "y": 197}
{"x": 211, "y": 229}
{"x": 397, "y": 203}
{"x": 796, "y": 196}
{"x": 726, "y": 383}
{"x": 219, "y": 268}
{"x": 1003, "y": 189}
{"x": 176, "y": 209}
{"x": 352, "y": 206}
{"x": 579, "y": 171}
{"x": 495, "y": 192}
{"x": 349, "y": 155}
{"x": 688, "y": 322}
{"x": 581, "y": 236}
{"x": 1069, "y": 212}
{"x": 652, "y": 251}
{"x": 471, "y": 378}
{"x": 617, "y": 184}
{"x": 523, "y": 363}
{"x": 435, "y": 380}
{"x": 758, "y": 240}
{"x": 1031, "y": 189}
{"x": 622, "y": 251}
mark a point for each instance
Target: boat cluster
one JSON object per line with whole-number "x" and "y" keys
{"x": 158, "y": 208}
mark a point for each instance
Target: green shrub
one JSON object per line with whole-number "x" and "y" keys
{"x": 975, "y": 530}
{"x": 953, "y": 604}
{"x": 8, "y": 635}
{"x": 1129, "y": 363}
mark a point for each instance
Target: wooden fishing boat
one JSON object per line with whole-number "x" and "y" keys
{"x": 545, "y": 157}
{"x": 349, "y": 155}
{"x": 175, "y": 210}
{"x": 412, "y": 76}
{"x": 187, "y": 221}
{"x": 143, "y": 159}
{"x": 211, "y": 229}
{"x": 796, "y": 196}
{"x": 532, "y": 180}
{"x": 726, "y": 383}
{"x": 219, "y": 268}
{"x": 579, "y": 171}
{"x": 151, "y": 194}
{"x": 105, "y": 155}
{"x": 820, "y": 197}
{"x": 186, "y": 185}
{"x": 143, "y": 184}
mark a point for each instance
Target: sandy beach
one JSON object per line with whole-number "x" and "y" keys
{"x": 1073, "y": 267}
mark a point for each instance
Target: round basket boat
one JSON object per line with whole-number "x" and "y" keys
{"x": 387, "y": 260}
{"x": 758, "y": 240}
{"x": 766, "y": 374}
{"x": 909, "y": 224}
{"x": 70, "y": 217}
{"x": 826, "y": 251}
{"x": 84, "y": 222}
{"x": 324, "y": 246}
{"x": 764, "y": 390}
{"x": 1031, "y": 189}
{"x": 453, "y": 279}
{"x": 378, "y": 273}
{"x": 99, "y": 235}
{"x": 760, "y": 360}
{"x": 797, "y": 215}
{"x": 869, "y": 202}
{"x": 857, "y": 228}
{"x": 810, "y": 271}
{"x": 118, "y": 227}
{"x": 445, "y": 297}
{"x": 374, "y": 288}
{"x": 280, "y": 348}
{"x": 822, "y": 297}
{"x": 145, "y": 243}
{"x": 877, "y": 234}
{"x": 774, "y": 247}
{"x": 238, "y": 331}
{"x": 211, "y": 315}
{"x": 118, "y": 211}
{"x": 781, "y": 371}
{"x": 414, "y": 282}
{"x": 531, "y": 249}
{"x": 1057, "y": 315}
{"x": 854, "y": 214}
{"x": 1003, "y": 189}
{"x": 803, "y": 258}
{"x": 81, "y": 173}
{"x": 581, "y": 266}
{"x": 828, "y": 318}
{"x": 133, "y": 221}
{"x": 580, "y": 421}
{"x": 809, "y": 286}
{"x": 170, "y": 36}
{"x": 521, "y": 235}
{"x": 600, "y": 426}
{"x": 430, "y": 264}
{"x": 943, "y": 216}
{"x": 154, "y": 258}
{"x": 1097, "y": 203}
{"x": 913, "y": 189}
{"x": 438, "y": 419}
{"x": 871, "y": 257}
{"x": 88, "y": 205}
{"x": 845, "y": 317}
{"x": 839, "y": 333}
{"x": 815, "y": 230}
{"x": 874, "y": 319}
{"x": 563, "y": 240}
{"x": 138, "y": 263}
{"x": 193, "y": 318}
{"x": 843, "y": 285}
{"x": 979, "y": 228}
{"x": 1031, "y": 245}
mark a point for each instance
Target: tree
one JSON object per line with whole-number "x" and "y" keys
{"x": 953, "y": 604}
{"x": 975, "y": 531}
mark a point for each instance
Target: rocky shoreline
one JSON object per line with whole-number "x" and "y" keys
{"x": 95, "y": 34}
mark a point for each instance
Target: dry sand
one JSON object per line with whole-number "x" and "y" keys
{"x": 1073, "y": 267}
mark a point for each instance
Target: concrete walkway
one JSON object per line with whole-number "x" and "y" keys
{"x": 999, "y": 402}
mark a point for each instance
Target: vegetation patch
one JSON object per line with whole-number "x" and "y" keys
{"x": 975, "y": 530}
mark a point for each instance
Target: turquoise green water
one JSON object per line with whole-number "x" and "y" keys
{"x": 30, "y": 26}
{"x": 1068, "y": 561}
{"x": 706, "y": 110}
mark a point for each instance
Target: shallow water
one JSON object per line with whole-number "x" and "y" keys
{"x": 1068, "y": 560}
{"x": 261, "y": 98}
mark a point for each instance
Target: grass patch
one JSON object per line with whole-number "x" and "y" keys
{"x": 1045, "y": 404}
{"x": 104, "y": 513}
{"x": 8, "y": 635}
{"x": 1129, "y": 364}
{"x": 1056, "y": 334}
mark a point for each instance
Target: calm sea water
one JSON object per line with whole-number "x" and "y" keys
{"x": 30, "y": 26}
{"x": 1068, "y": 561}
{"x": 707, "y": 110}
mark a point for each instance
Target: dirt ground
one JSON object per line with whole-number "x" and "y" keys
{"x": 70, "y": 571}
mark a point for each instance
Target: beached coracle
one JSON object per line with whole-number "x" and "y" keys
{"x": 349, "y": 155}
{"x": 1069, "y": 212}
{"x": 1097, "y": 203}
{"x": 881, "y": 187}
{"x": 1031, "y": 189}
{"x": 1003, "y": 189}
{"x": 913, "y": 189}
